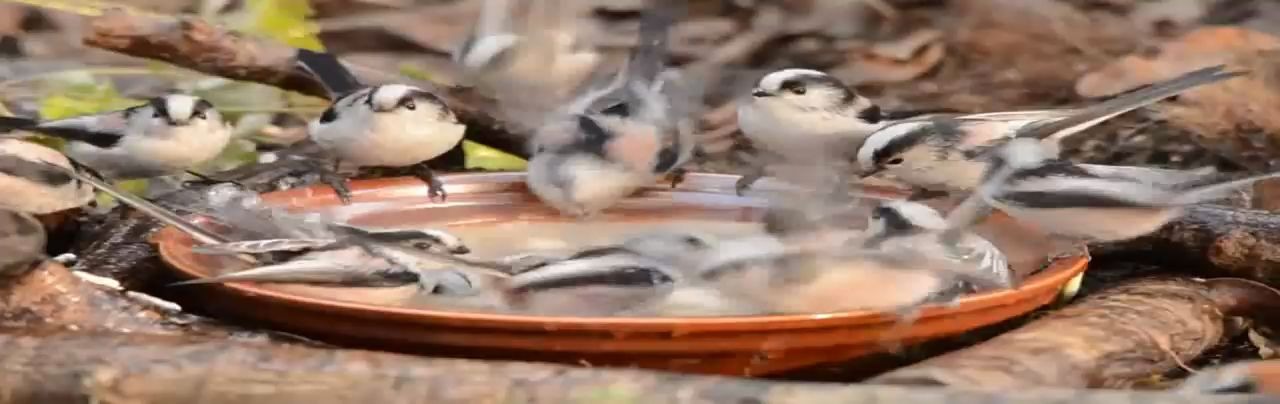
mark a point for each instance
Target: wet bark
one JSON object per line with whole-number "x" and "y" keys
{"x": 117, "y": 244}
{"x": 198, "y": 45}
{"x": 1212, "y": 240}
{"x": 1109, "y": 339}
{"x": 116, "y": 368}
{"x": 50, "y": 297}
{"x": 119, "y": 248}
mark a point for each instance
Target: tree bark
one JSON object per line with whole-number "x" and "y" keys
{"x": 1216, "y": 241}
{"x": 120, "y": 368}
{"x": 1109, "y": 339}
{"x": 50, "y": 297}
{"x": 198, "y": 45}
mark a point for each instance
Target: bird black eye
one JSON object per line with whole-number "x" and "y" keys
{"x": 423, "y": 245}
{"x": 894, "y": 161}
{"x": 692, "y": 241}
{"x": 410, "y": 105}
{"x": 199, "y": 115}
{"x": 155, "y": 114}
{"x": 798, "y": 89}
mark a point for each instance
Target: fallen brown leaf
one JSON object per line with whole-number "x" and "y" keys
{"x": 898, "y": 60}
{"x": 1234, "y": 118}
{"x": 905, "y": 48}
{"x": 1200, "y": 48}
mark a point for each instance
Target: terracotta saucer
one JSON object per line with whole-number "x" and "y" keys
{"x": 741, "y": 345}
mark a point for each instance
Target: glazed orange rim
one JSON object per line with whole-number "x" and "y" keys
{"x": 175, "y": 250}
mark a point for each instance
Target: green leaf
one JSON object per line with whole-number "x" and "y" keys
{"x": 68, "y": 99}
{"x": 237, "y": 153}
{"x": 483, "y": 157}
{"x": 136, "y": 187}
{"x": 69, "y": 95}
{"x": 285, "y": 21}
{"x": 413, "y": 72}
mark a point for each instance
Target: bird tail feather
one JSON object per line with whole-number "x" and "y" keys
{"x": 1089, "y": 116}
{"x": 13, "y": 123}
{"x": 329, "y": 71}
{"x": 1219, "y": 190}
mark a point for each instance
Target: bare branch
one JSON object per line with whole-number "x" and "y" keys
{"x": 198, "y": 45}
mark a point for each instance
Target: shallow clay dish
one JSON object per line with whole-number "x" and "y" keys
{"x": 745, "y": 345}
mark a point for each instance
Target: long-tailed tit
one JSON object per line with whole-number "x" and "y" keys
{"x": 668, "y": 254}
{"x": 609, "y": 143}
{"x": 801, "y": 115}
{"x": 346, "y": 266}
{"x": 633, "y": 274}
{"x": 167, "y": 135}
{"x": 909, "y": 255}
{"x": 391, "y": 125}
{"x": 1064, "y": 200}
{"x": 826, "y": 271}
{"x": 424, "y": 239}
{"x": 903, "y": 227}
{"x": 320, "y": 252}
{"x": 29, "y": 185}
{"x": 940, "y": 153}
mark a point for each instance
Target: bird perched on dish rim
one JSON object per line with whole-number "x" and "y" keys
{"x": 389, "y": 125}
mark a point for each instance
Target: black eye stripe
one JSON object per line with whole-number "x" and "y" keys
{"x": 202, "y": 106}
{"x": 901, "y": 144}
{"x": 594, "y": 136}
{"x": 160, "y": 107}
{"x": 792, "y": 85}
{"x": 329, "y": 115}
{"x": 871, "y": 114}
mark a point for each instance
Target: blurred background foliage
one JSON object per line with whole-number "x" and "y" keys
{"x": 250, "y": 107}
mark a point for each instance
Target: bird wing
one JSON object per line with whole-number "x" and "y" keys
{"x": 262, "y": 246}
{"x": 1051, "y": 192}
{"x": 1218, "y": 190}
{"x": 314, "y": 271}
{"x": 1149, "y": 175}
{"x": 329, "y": 71}
{"x": 622, "y": 269}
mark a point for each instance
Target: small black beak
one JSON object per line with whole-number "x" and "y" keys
{"x": 760, "y": 93}
{"x": 461, "y": 250}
